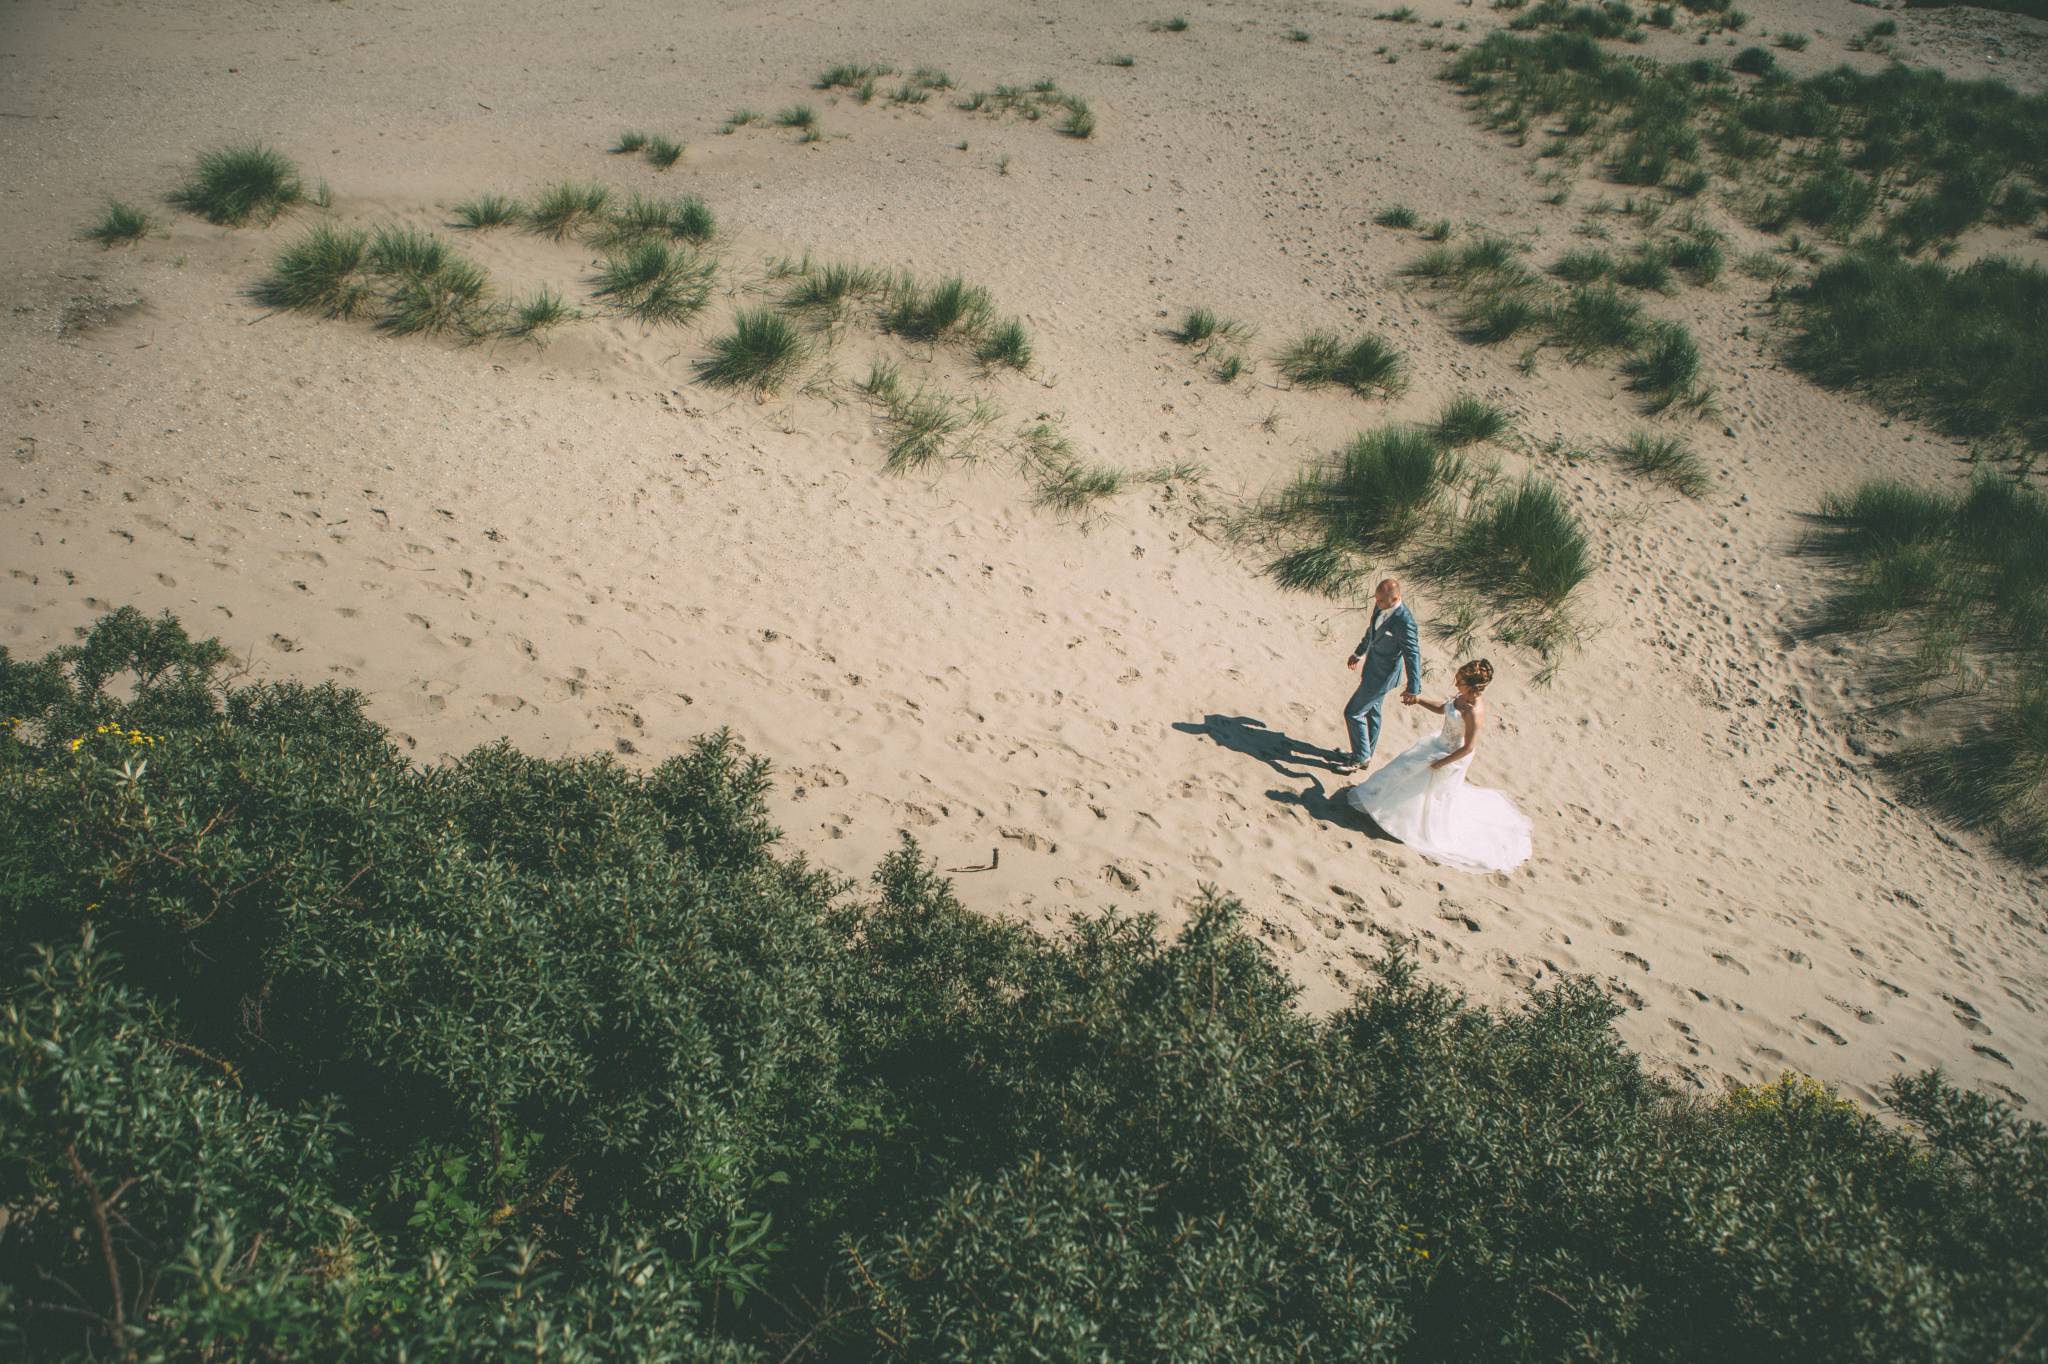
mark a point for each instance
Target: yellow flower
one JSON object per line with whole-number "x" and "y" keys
{"x": 75, "y": 743}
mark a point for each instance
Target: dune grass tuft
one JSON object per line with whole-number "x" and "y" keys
{"x": 1645, "y": 268}
{"x": 1667, "y": 368}
{"x": 1368, "y": 365}
{"x": 1596, "y": 319}
{"x": 449, "y": 299}
{"x": 1201, "y": 327}
{"x": 324, "y": 272}
{"x": 119, "y": 225}
{"x": 566, "y": 207}
{"x": 821, "y": 294}
{"x": 950, "y": 308}
{"x": 1080, "y": 121}
{"x": 533, "y": 317}
{"x": 643, "y": 218}
{"x": 851, "y": 75}
{"x": 656, "y": 282}
{"x": 245, "y": 183}
{"x": 1376, "y": 497}
{"x": 1667, "y": 459}
{"x": 1395, "y": 215}
{"x": 924, "y": 426}
{"x": 407, "y": 251}
{"x": 1960, "y": 584}
{"x": 486, "y": 211}
{"x": 628, "y": 143}
{"x": 1583, "y": 265}
{"x": 1496, "y": 314}
{"x": 1005, "y": 345}
{"x": 663, "y": 152}
{"x": 797, "y": 116}
{"x": 1468, "y": 419}
{"x": 762, "y": 353}
{"x": 1523, "y": 547}
{"x": 1177, "y": 24}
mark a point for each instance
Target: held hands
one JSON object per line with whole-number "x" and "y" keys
{"x": 1409, "y": 698}
{"x": 1351, "y": 662}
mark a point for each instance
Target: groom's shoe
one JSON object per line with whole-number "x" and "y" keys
{"x": 1347, "y": 766}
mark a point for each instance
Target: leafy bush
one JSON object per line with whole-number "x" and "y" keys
{"x": 308, "y": 1053}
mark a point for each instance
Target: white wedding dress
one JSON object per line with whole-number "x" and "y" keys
{"x": 1434, "y": 812}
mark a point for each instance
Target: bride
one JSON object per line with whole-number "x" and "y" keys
{"x": 1421, "y": 797}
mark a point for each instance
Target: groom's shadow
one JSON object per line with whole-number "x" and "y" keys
{"x": 1293, "y": 759}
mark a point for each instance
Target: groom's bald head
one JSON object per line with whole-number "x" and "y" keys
{"x": 1388, "y": 593}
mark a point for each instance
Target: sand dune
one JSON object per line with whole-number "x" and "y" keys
{"x": 581, "y": 549}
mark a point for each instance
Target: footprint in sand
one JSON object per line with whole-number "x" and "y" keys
{"x": 1727, "y": 960}
{"x": 1031, "y": 841}
{"x": 1993, "y": 1053}
{"x": 1820, "y": 1029}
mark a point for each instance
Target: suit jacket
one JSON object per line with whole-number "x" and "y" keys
{"x": 1392, "y": 640}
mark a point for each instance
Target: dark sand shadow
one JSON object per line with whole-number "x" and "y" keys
{"x": 1293, "y": 759}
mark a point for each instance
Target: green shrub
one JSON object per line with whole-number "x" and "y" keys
{"x": 762, "y": 352}
{"x": 1368, "y": 365}
{"x": 1754, "y": 61}
{"x": 120, "y": 225}
{"x": 235, "y": 185}
{"x": 1373, "y": 500}
{"x": 354, "y": 1060}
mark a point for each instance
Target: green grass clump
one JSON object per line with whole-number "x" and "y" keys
{"x": 1964, "y": 348}
{"x": 1375, "y": 498}
{"x": 1595, "y": 320}
{"x": 823, "y": 293}
{"x": 952, "y": 307}
{"x": 1005, "y": 345}
{"x": 533, "y": 317}
{"x": 1395, "y": 215}
{"x": 657, "y": 283}
{"x": 236, "y": 185}
{"x": 924, "y": 426}
{"x": 1667, "y": 368}
{"x": 1368, "y": 365}
{"x": 1583, "y": 265}
{"x": 1468, "y": 419}
{"x": 450, "y": 299}
{"x": 1202, "y": 328}
{"x": 1298, "y": 35}
{"x": 1698, "y": 256}
{"x": 1120, "y": 59}
{"x": 1754, "y": 61}
{"x": 975, "y": 1123}
{"x": 1080, "y": 120}
{"x": 1499, "y": 312}
{"x": 762, "y": 353}
{"x": 628, "y": 143}
{"x": 663, "y": 152}
{"x": 1523, "y": 548}
{"x": 1647, "y": 267}
{"x": 486, "y": 211}
{"x": 1667, "y": 459}
{"x": 797, "y": 116}
{"x": 407, "y": 251}
{"x": 1958, "y": 585}
{"x": 851, "y": 75}
{"x": 1793, "y": 42}
{"x": 643, "y": 218}
{"x": 566, "y": 207}
{"x": 1177, "y": 24}
{"x": 324, "y": 272}
{"x": 119, "y": 225}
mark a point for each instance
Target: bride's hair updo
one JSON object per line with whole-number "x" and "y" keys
{"x": 1476, "y": 674}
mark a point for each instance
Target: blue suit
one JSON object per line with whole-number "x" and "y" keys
{"x": 1392, "y": 641}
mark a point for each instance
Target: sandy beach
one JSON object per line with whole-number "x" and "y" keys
{"x": 581, "y": 548}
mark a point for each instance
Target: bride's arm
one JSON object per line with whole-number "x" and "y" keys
{"x": 1473, "y": 715}
{"x": 1412, "y": 700}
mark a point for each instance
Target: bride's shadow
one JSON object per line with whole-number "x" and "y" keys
{"x": 1285, "y": 754}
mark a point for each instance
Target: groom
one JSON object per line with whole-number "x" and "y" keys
{"x": 1391, "y": 641}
